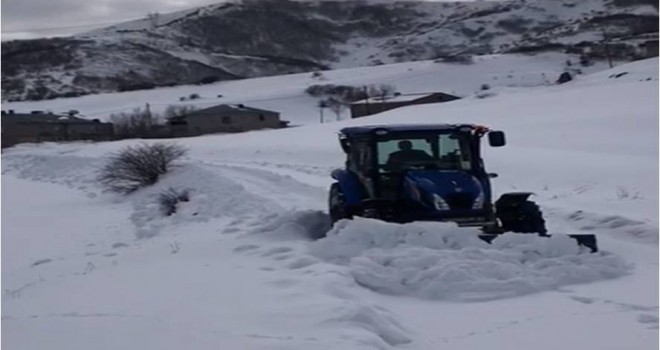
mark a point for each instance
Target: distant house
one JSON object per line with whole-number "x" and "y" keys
{"x": 39, "y": 126}
{"x": 224, "y": 118}
{"x": 375, "y": 105}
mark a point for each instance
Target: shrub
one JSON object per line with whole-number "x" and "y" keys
{"x": 169, "y": 199}
{"x": 336, "y": 105}
{"x": 136, "y": 86}
{"x": 137, "y": 123}
{"x": 459, "y": 59}
{"x": 178, "y": 111}
{"x": 382, "y": 91}
{"x": 318, "y": 75}
{"x": 134, "y": 167}
{"x": 350, "y": 93}
{"x": 208, "y": 80}
{"x": 484, "y": 94}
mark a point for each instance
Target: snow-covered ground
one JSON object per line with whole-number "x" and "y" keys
{"x": 285, "y": 93}
{"x": 236, "y": 267}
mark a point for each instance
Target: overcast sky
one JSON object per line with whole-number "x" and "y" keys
{"x": 23, "y": 19}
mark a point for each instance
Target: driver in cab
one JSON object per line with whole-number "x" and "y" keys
{"x": 398, "y": 160}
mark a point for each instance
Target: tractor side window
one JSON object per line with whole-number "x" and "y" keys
{"x": 363, "y": 167}
{"x": 453, "y": 153}
{"x": 385, "y": 149}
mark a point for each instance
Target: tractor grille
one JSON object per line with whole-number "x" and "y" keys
{"x": 459, "y": 201}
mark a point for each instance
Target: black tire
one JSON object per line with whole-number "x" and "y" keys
{"x": 337, "y": 204}
{"x": 525, "y": 217}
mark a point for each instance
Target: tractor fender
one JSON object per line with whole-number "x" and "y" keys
{"x": 513, "y": 198}
{"x": 349, "y": 184}
{"x": 518, "y": 214}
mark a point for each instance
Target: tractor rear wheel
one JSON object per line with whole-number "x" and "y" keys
{"x": 525, "y": 217}
{"x": 337, "y": 204}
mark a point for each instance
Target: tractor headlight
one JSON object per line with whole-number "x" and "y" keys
{"x": 439, "y": 203}
{"x": 481, "y": 197}
{"x": 479, "y": 201}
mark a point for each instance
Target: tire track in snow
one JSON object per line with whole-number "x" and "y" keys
{"x": 287, "y": 191}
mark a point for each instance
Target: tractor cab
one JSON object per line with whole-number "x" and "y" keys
{"x": 419, "y": 172}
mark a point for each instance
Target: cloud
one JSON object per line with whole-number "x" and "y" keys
{"x": 39, "y": 18}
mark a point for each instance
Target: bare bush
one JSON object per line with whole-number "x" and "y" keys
{"x": 484, "y": 94}
{"x": 318, "y": 75}
{"x": 336, "y": 104}
{"x": 134, "y": 167}
{"x": 382, "y": 91}
{"x": 458, "y": 59}
{"x": 178, "y": 111}
{"x": 137, "y": 123}
{"x": 170, "y": 198}
{"x": 350, "y": 93}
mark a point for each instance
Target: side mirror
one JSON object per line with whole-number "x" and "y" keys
{"x": 496, "y": 138}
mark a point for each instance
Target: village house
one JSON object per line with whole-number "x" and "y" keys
{"x": 39, "y": 126}
{"x": 375, "y": 105}
{"x": 224, "y": 118}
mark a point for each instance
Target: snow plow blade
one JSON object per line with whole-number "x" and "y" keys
{"x": 584, "y": 240}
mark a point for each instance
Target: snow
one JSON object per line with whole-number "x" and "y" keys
{"x": 285, "y": 93}
{"x": 444, "y": 262}
{"x": 240, "y": 265}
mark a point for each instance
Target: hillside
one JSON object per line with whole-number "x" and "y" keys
{"x": 259, "y": 38}
{"x": 286, "y": 93}
{"x": 236, "y": 267}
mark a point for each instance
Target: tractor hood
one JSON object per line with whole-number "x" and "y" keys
{"x": 458, "y": 189}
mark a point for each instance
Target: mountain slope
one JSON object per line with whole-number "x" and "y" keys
{"x": 257, "y": 38}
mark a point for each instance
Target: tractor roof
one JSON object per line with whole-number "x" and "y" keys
{"x": 367, "y": 129}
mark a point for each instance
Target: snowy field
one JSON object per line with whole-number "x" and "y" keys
{"x": 236, "y": 267}
{"x": 285, "y": 93}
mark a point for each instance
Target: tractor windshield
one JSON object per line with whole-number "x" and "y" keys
{"x": 439, "y": 151}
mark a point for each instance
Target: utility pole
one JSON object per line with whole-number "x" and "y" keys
{"x": 322, "y": 105}
{"x": 147, "y": 112}
{"x": 606, "y": 46}
{"x": 366, "y": 101}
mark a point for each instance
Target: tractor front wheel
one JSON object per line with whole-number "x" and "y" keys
{"x": 522, "y": 217}
{"x": 337, "y": 204}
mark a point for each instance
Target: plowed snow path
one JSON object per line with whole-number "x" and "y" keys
{"x": 284, "y": 189}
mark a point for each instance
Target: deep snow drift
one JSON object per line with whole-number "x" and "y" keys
{"x": 442, "y": 261}
{"x": 238, "y": 267}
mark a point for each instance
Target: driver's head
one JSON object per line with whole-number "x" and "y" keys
{"x": 405, "y": 145}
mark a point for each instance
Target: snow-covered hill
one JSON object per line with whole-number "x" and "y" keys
{"x": 286, "y": 93}
{"x": 258, "y": 38}
{"x": 235, "y": 267}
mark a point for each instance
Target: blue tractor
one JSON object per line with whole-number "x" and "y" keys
{"x": 405, "y": 173}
